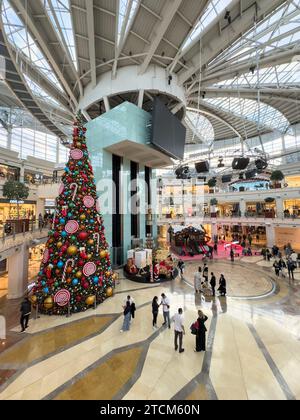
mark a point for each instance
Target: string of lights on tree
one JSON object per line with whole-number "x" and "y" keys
{"x": 76, "y": 266}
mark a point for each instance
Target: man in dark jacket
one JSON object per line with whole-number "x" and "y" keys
{"x": 213, "y": 283}
{"x": 25, "y": 313}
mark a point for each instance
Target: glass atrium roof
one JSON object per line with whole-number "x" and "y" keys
{"x": 264, "y": 62}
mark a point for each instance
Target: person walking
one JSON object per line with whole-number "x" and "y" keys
{"x": 132, "y": 306}
{"x": 165, "y": 303}
{"x": 213, "y": 284}
{"x": 277, "y": 268}
{"x": 155, "y": 311}
{"x": 179, "y": 330}
{"x": 181, "y": 267}
{"x": 197, "y": 280}
{"x": 127, "y": 317}
{"x": 201, "y": 332}
{"x": 232, "y": 255}
{"x": 223, "y": 286}
{"x": 205, "y": 274}
{"x": 25, "y": 314}
{"x": 291, "y": 269}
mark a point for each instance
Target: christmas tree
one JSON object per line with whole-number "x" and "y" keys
{"x": 76, "y": 269}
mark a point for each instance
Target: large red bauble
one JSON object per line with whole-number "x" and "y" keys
{"x": 82, "y": 236}
{"x": 86, "y": 286}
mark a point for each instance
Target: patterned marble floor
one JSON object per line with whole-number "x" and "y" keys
{"x": 253, "y": 345}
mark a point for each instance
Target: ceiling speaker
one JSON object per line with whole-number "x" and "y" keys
{"x": 202, "y": 167}
{"x": 226, "y": 179}
{"x": 239, "y": 164}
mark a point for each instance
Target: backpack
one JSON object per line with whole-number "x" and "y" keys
{"x": 194, "y": 328}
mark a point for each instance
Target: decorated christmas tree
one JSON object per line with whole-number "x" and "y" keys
{"x": 76, "y": 269}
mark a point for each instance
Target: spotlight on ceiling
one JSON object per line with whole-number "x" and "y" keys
{"x": 239, "y": 164}
{"x": 183, "y": 172}
{"x": 202, "y": 167}
{"x": 261, "y": 164}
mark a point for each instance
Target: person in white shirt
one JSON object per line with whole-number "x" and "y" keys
{"x": 179, "y": 330}
{"x": 165, "y": 303}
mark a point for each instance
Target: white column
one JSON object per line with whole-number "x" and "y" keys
{"x": 279, "y": 206}
{"x": 18, "y": 273}
{"x": 22, "y": 173}
{"x": 106, "y": 103}
{"x": 243, "y": 208}
{"x": 270, "y": 235}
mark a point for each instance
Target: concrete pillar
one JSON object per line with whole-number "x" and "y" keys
{"x": 243, "y": 208}
{"x": 214, "y": 230}
{"x": 22, "y": 173}
{"x": 279, "y": 207}
{"x": 18, "y": 273}
{"x": 270, "y": 235}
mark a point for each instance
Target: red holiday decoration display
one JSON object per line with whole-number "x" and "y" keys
{"x": 76, "y": 266}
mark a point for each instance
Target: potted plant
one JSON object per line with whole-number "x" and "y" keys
{"x": 211, "y": 184}
{"x": 213, "y": 204}
{"x": 16, "y": 191}
{"x": 276, "y": 178}
{"x": 269, "y": 200}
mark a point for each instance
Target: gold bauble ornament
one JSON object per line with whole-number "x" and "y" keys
{"x": 89, "y": 256}
{"x": 91, "y": 242}
{"x": 59, "y": 245}
{"x": 90, "y": 300}
{"x": 83, "y": 217}
{"x": 48, "y": 302}
{"x": 72, "y": 250}
{"x": 78, "y": 144}
{"x": 79, "y": 274}
{"x": 33, "y": 299}
{"x": 109, "y": 292}
{"x": 108, "y": 274}
{"x": 103, "y": 254}
{"x": 115, "y": 276}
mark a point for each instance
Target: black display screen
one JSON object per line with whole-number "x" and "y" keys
{"x": 168, "y": 133}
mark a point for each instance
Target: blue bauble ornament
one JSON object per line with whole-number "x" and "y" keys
{"x": 92, "y": 221}
{"x": 43, "y": 283}
{"x": 64, "y": 234}
{"x": 70, "y": 214}
{"x": 60, "y": 264}
{"x": 46, "y": 290}
{"x": 62, "y": 221}
{"x": 75, "y": 282}
{"x": 96, "y": 280}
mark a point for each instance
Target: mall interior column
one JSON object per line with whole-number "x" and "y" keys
{"x": 214, "y": 230}
{"x": 243, "y": 207}
{"x": 270, "y": 231}
{"x": 279, "y": 207}
{"x": 18, "y": 273}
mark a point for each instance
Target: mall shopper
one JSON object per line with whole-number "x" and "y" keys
{"x": 165, "y": 303}
{"x": 127, "y": 317}
{"x": 41, "y": 221}
{"x": 291, "y": 268}
{"x": 197, "y": 280}
{"x": 181, "y": 267}
{"x": 268, "y": 255}
{"x": 213, "y": 283}
{"x": 132, "y": 306}
{"x": 232, "y": 255}
{"x": 277, "y": 268}
{"x": 155, "y": 311}
{"x": 222, "y": 286}
{"x": 25, "y": 313}
{"x": 179, "y": 330}
{"x": 205, "y": 274}
{"x": 201, "y": 332}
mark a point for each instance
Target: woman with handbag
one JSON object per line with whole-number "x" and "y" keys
{"x": 127, "y": 317}
{"x": 201, "y": 332}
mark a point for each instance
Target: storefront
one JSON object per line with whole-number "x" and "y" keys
{"x": 292, "y": 208}
{"x": 263, "y": 209}
{"x": 31, "y": 177}
{"x": 9, "y": 212}
{"x": 284, "y": 236}
{"x": 9, "y": 173}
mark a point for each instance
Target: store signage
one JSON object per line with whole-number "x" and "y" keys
{"x": 16, "y": 202}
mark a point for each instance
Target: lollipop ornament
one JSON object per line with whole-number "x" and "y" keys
{"x": 97, "y": 238}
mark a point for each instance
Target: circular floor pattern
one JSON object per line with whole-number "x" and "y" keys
{"x": 242, "y": 282}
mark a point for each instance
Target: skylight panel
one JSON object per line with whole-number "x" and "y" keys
{"x": 213, "y": 10}
{"x": 60, "y": 15}
{"x": 22, "y": 41}
{"x": 127, "y": 11}
{"x": 260, "y": 113}
{"x": 201, "y": 126}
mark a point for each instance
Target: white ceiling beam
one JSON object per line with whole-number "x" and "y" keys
{"x": 213, "y": 43}
{"x": 91, "y": 34}
{"x": 36, "y": 29}
{"x": 168, "y": 13}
